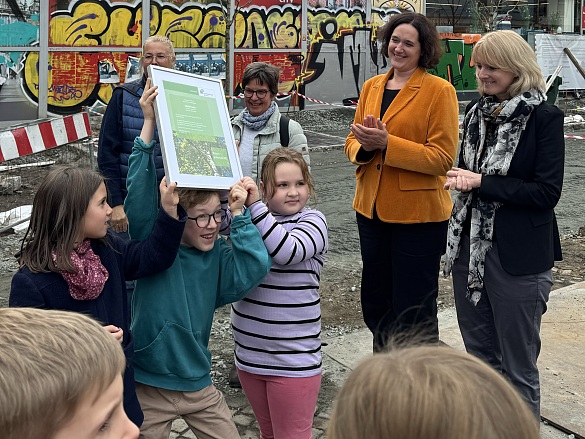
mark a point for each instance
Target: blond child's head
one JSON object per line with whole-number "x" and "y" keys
{"x": 429, "y": 392}
{"x": 60, "y": 377}
{"x": 286, "y": 181}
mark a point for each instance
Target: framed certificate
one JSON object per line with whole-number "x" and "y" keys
{"x": 194, "y": 129}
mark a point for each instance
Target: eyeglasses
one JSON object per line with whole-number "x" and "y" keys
{"x": 204, "y": 219}
{"x": 261, "y": 94}
{"x": 159, "y": 58}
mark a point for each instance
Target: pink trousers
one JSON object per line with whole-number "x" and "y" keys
{"x": 284, "y": 407}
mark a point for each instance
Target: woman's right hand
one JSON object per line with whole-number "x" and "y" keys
{"x": 462, "y": 180}
{"x": 119, "y": 220}
{"x": 147, "y": 100}
{"x": 371, "y": 134}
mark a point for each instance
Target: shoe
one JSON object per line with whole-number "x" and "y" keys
{"x": 234, "y": 379}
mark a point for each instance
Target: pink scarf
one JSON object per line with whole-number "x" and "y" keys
{"x": 88, "y": 281}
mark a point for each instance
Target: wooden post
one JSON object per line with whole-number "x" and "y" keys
{"x": 572, "y": 58}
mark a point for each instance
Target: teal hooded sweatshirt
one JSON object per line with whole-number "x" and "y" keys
{"x": 172, "y": 311}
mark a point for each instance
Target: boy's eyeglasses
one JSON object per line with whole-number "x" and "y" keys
{"x": 260, "y": 93}
{"x": 159, "y": 58}
{"x": 204, "y": 219}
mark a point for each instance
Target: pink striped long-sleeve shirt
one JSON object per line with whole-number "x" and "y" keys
{"x": 277, "y": 327}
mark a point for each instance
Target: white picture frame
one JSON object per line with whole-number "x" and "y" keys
{"x": 194, "y": 129}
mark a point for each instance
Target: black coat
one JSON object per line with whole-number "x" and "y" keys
{"x": 525, "y": 225}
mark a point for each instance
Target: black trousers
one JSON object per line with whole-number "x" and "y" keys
{"x": 400, "y": 278}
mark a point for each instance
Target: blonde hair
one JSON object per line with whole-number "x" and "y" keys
{"x": 50, "y": 361}
{"x": 429, "y": 392}
{"x": 284, "y": 155}
{"x": 506, "y": 50}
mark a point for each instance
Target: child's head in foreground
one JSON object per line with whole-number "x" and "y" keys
{"x": 60, "y": 377}
{"x": 429, "y": 392}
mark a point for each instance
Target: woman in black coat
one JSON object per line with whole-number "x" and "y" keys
{"x": 503, "y": 237}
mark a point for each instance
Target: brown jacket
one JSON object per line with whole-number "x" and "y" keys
{"x": 423, "y": 127}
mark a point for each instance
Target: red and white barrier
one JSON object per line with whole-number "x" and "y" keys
{"x": 41, "y": 136}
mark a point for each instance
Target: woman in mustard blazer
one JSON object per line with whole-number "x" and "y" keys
{"x": 403, "y": 140}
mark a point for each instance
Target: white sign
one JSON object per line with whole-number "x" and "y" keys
{"x": 195, "y": 132}
{"x": 550, "y": 54}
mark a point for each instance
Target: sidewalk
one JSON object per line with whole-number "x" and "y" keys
{"x": 562, "y": 384}
{"x": 560, "y": 362}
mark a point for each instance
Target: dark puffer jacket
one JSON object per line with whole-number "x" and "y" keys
{"x": 121, "y": 124}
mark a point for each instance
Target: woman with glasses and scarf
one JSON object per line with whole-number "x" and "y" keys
{"x": 257, "y": 127}
{"x": 502, "y": 236}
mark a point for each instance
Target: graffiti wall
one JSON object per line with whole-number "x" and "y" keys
{"x": 455, "y": 65}
{"x": 326, "y": 55}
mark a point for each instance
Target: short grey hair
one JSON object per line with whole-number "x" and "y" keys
{"x": 160, "y": 39}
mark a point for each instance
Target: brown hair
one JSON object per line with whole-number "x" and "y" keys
{"x": 264, "y": 73}
{"x": 50, "y": 362}
{"x": 284, "y": 155}
{"x": 192, "y": 197}
{"x": 429, "y": 392}
{"x": 506, "y": 50}
{"x": 428, "y": 37}
{"x": 56, "y": 219}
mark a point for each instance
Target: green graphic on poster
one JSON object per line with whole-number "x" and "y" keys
{"x": 197, "y": 131}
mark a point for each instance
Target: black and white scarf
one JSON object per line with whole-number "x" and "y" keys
{"x": 487, "y": 158}
{"x": 256, "y": 123}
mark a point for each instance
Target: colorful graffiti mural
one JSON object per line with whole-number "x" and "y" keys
{"x": 328, "y": 58}
{"x": 455, "y": 65}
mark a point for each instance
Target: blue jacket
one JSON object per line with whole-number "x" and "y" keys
{"x": 121, "y": 124}
{"x": 173, "y": 311}
{"x": 122, "y": 259}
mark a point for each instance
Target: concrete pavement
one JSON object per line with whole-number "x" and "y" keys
{"x": 560, "y": 362}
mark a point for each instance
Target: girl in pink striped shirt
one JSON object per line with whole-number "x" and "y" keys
{"x": 277, "y": 326}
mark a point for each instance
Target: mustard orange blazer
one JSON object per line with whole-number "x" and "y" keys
{"x": 423, "y": 125}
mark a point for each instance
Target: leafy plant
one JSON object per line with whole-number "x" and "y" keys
{"x": 554, "y": 19}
